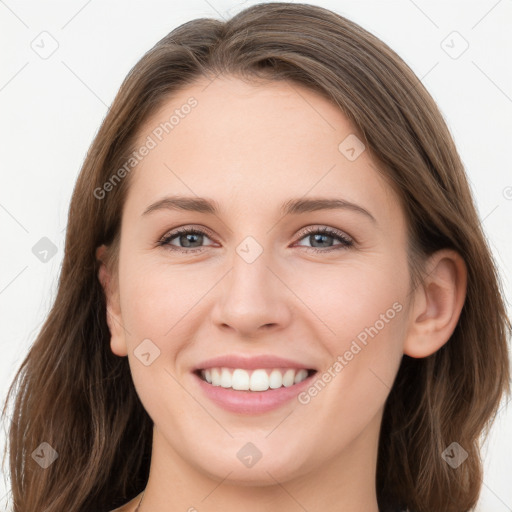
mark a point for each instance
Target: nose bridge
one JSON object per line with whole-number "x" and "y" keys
{"x": 252, "y": 296}
{"x": 250, "y": 279}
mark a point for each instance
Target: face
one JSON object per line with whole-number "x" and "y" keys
{"x": 263, "y": 329}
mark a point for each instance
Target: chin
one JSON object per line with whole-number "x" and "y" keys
{"x": 263, "y": 472}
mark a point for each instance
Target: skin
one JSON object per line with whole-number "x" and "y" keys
{"x": 251, "y": 147}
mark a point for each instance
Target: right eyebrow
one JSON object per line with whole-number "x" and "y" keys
{"x": 197, "y": 204}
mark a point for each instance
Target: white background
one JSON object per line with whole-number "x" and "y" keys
{"x": 51, "y": 109}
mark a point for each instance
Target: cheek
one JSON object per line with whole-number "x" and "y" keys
{"x": 157, "y": 305}
{"x": 160, "y": 301}
{"x": 363, "y": 306}
{"x": 361, "y": 309}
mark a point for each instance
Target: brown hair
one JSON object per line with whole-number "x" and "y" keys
{"x": 76, "y": 395}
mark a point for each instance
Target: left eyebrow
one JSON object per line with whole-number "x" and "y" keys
{"x": 297, "y": 206}
{"x": 291, "y": 207}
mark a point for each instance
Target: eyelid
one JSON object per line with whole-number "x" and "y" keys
{"x": 316, "y": 228}
{"x": 172, "y": 233}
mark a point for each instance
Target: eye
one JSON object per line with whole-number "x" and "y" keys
{"x": 190, "y": 240}
{"x": 324, "y": 237}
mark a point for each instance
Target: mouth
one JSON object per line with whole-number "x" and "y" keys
{"x": 252, "y": 391}
{"x": 257, "y": 380}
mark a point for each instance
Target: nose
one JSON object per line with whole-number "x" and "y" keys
{"x": 252, "y": 299}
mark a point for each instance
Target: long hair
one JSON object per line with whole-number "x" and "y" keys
{"x": 73, "y": 393}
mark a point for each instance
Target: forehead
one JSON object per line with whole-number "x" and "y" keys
{"x": 260, "y": 143}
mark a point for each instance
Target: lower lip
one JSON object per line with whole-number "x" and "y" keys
{"x": 252, "y": 402}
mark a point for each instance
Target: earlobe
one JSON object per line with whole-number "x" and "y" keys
{"x": 438, "y": 302}
{"x": 113, "y": 309}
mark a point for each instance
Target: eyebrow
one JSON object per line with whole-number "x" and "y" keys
{"x": 291, "y": 207}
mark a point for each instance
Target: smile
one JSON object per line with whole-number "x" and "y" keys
{"x": 261, "y": 379}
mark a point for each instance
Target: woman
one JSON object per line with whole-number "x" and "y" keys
{"x": 203, "y": 352}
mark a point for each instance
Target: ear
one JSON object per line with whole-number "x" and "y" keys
{"x": 114, "y": 317}
{"x": 437, "y": 304}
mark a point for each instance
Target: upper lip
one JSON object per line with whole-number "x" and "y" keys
{"x": 250, "y": 363}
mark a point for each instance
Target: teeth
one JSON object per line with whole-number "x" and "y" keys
{"x": 215, "y": 375}
{"x": 275, "y": 379}
{"x": 300, "y": 376}
{"x": 288, "y": 378}
{"x": 255, "y": 380}
{"x": 240, "y": 379}
{"x": 225, "y": 378}
{"x": 259, "y": 381}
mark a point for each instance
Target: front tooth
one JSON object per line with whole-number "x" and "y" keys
{"x": 276, "y": 379}
{"x": 288, "y": 378}
{"x": 301, "y": 375}
{"x": 259, "y": 380}
{"x": 215, "y": 373}
{"x": 225, "y": 378}
{"x": 240, "y": 380}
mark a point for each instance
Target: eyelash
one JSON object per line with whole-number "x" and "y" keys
{"x": 346, "y": 242}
